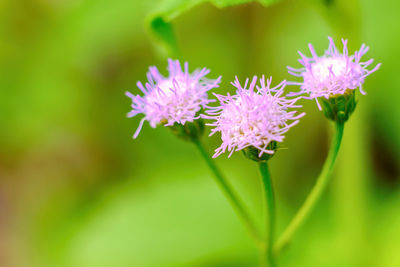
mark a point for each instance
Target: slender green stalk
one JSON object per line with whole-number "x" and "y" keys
{"x": 230, "y": 194}
{"x": 315, "y": 194}
{"x": 269, "y": 204}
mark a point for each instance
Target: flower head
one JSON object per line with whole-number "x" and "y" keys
{"x": 333, "y": 73}
{"x": 174, "y": 99}
{"x": 254, "y": 117}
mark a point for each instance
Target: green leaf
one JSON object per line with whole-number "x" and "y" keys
{"x": 160, "y": 20}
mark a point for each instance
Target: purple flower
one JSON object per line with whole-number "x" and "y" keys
{"x": 174, "y": 99}
{"x": 254, "y": 117}
{"x": 333, "y": 73}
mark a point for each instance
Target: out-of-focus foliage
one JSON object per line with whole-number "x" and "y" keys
{"x": 76, "y": 190}
{"x": 162, "y": 16}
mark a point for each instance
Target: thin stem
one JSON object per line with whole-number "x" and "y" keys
{"x": 230, "y": 194}
{"x": 315, "y": 194}
{"x": 269, "y": 205}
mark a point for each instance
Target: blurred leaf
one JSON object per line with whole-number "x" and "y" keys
{"x": 159, "y": 221}
{"x": 160, "y": 20}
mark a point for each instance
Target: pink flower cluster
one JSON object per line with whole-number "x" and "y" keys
{"x": 174, "y": 99}
{"x": 257, "y": 114}
{"x": 254, "y": 116}
{"x": 333, "y": 73}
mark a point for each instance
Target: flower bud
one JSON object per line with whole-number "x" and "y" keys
{"x": 189, "y": 131}
{"x": 339, "y": 107}
{"x": 253, "y": 153}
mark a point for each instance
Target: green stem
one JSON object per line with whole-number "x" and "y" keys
{"x": 230, "y": 194}
{"x": 315, "y": 194}
{"x": 269, "y": 204}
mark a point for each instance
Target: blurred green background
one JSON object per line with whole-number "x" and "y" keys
{"x": 76, "y": 190}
